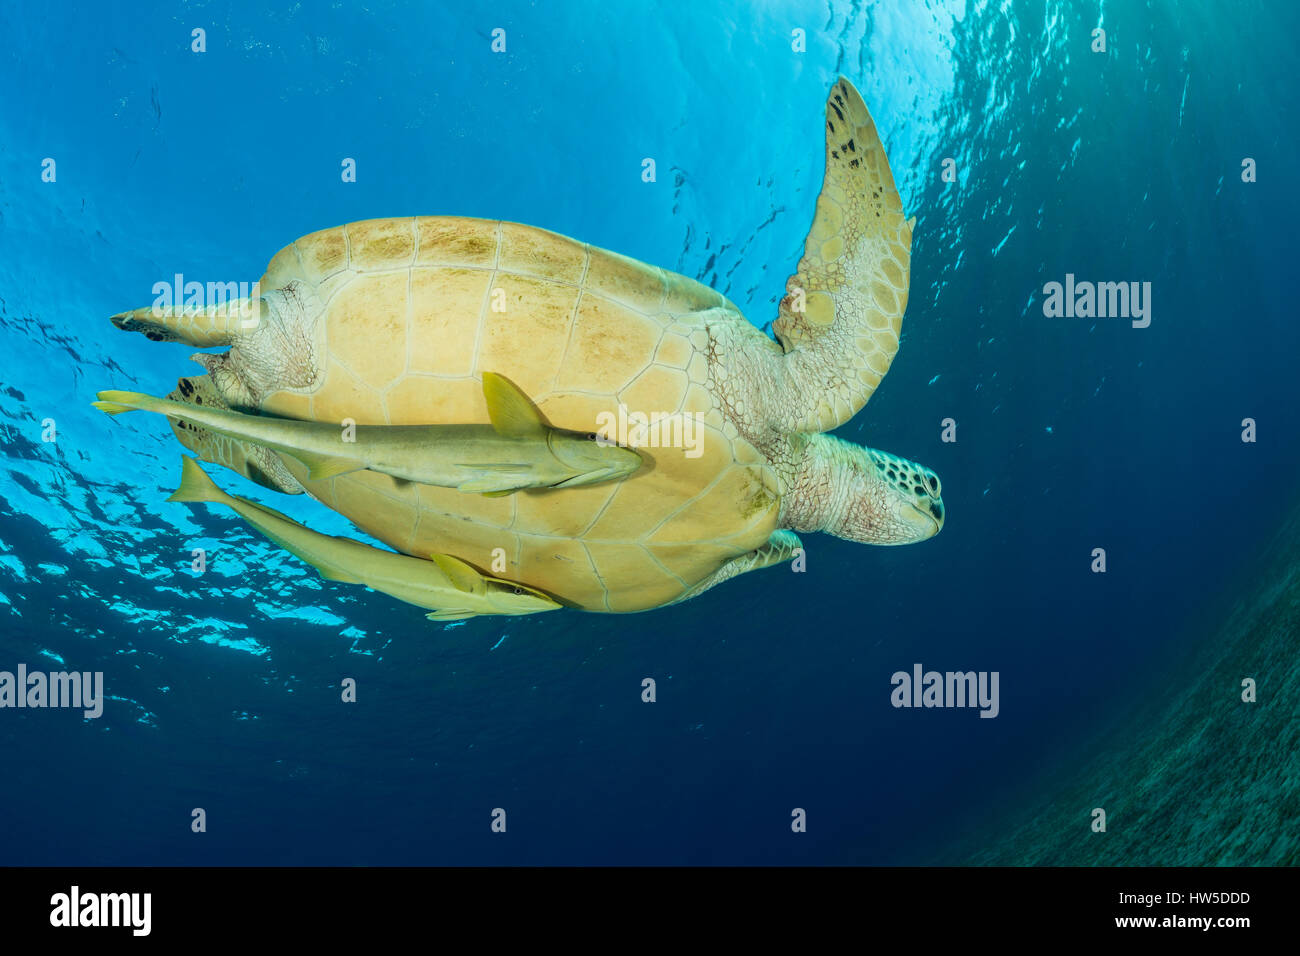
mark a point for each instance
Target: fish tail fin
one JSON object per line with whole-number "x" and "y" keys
{"x": 115, "y": 403}
{"x": 196, "y": 485}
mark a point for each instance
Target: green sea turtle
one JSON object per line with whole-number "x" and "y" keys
{"x": 394, "y": 321}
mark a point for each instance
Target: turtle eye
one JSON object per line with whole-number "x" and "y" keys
{"x": 592, "y": 436}
{"x": 516, "y": 590}
{"x": 933, "y": 481}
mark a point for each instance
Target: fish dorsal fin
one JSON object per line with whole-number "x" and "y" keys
{"x": 461, "y": 575}
{"x": 512, "y": 412}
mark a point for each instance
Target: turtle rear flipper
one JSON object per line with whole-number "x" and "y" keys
{"x": 254, "y": 462}
{"x": 273, "y": 337}
{"x": 219, "y": 325}
{"x": 782, "y": 546}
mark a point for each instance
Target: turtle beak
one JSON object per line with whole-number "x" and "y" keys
{"x": 929, "y": 516}
{"x": 937, "y": 512}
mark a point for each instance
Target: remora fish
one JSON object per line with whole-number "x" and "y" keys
{"x": 518, "y": 450}
{"x": 447, "y": 585}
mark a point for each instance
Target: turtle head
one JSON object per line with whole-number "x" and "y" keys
{"x": 901, "y": 501}
{"x": 864, "y": 495}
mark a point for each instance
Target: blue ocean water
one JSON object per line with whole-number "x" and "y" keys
{"x": 773, "y": 690}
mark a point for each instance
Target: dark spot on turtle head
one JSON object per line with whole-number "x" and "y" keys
{"x": 198, "y": 399}
{"x": 850, "y": 147}
{"x": 830, "y": 126}
{"x": 834, "y": 154}
{"x": 154, "y": 336}
{"x": 186, "y": 387}
{"x": 936, "y": 509}
{"x": 837, "y": 112}
{"x": 854, "y": 163}
{"x": 918, "y": 489}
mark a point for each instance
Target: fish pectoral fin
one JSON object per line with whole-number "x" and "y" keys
{"x": 500, "y": 480}
{"x": 491, "y": 487}
{"x": 512, "y": 412}
{"x": 320, "y": 467}
{"x": 462, "y": 576}
{"x": 451, "y": 614}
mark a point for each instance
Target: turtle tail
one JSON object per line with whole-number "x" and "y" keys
{"x": 216, "y": 325}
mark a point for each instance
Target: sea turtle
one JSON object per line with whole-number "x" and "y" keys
{"x": 394, "y": 321}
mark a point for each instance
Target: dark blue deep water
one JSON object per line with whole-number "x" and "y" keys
{"x": 773, "y": 690}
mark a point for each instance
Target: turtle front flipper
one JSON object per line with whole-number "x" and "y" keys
{"x": 254, "y": 462}
{"x": 780, "y": 547}
{"x": 839, "y": 321}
